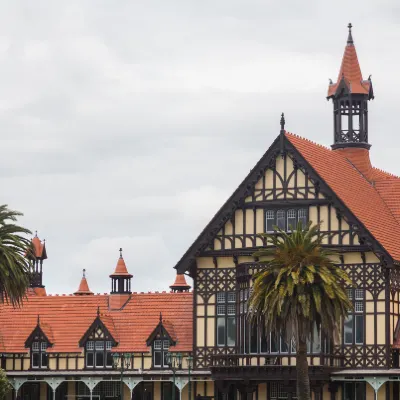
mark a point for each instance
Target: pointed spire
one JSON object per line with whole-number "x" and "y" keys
{"x": 350, "y": 77}
{"x": 83, "y": 286}
{"x": 120, "y": 269}
{"x": 39, "y": 248}
{"x": 350, "y": 37}
{"x": 180, "y": 284}
{"x": 282, "y": 122}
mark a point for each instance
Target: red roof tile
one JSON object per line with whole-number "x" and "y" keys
{"x": 362, "y": 198}
{"x": 120, "y": 269}
{"x": 67, "y": 318}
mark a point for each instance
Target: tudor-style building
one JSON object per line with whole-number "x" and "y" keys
{"x": 65, "y": 346}
{"x": 357, "y": 205}
{"x": 61, "y": 347}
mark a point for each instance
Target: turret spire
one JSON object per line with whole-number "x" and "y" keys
{"x": 350, "y": 95}
{"x": 121, "y": 278}
{"x": 83, "y": 286}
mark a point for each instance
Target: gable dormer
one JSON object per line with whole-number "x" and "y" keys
{"x": 98, "y": 342}
{"x": 160, "y": 340}
{"x": 38, "y": 342}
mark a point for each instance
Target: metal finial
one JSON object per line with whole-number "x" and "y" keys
{"x": 98, "y": 311}
{"x": 120, "y": 252}
{"x": 35, "y": 233}
{"x": 160, "y": 317}
{"x": 84, "y": 273}
{"x": 350, "y": 37}
{"x": 38, "y": 319}
{"x": 282, "y": 122}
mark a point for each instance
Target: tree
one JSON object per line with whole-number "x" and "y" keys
{"x": 299, "y": 288}
{"x": 16, "y": 251}
{"x": 5, "y": 386}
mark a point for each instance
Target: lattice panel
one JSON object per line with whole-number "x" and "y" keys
{"x": 366, "y": 276}
{"x": 395, "y": 278}
{"x": 204, "y": 354}
{"x": 362, "y": 356}
{"x": 212, "y": 280}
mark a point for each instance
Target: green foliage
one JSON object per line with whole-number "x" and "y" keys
{"x": 5, "y": 386}
{"x": 16, "y": 251}
{"x": 300, "y": 285}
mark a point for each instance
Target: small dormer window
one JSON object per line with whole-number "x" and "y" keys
{"x": 98, "y": 354}
{"x": 160, "y": 351}
{"x": 39, "y": 357}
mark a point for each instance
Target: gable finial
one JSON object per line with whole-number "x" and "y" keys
{"x": 38, "y": 319}
{"x": 84, "y": 273}
{"x": 120, "y": 252}
{"x": 160, "y": 316}
{"x": 98, "y": 311}
{"x": 35, "y": 233}
{"x": 282, "y": 122}
{"x": 350, "y": 37}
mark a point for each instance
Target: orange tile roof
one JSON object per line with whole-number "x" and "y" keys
{"x": 350, "y": 73}
{"x": 67, "y": 318}
{"x": 180, "y": 282}
{"x": 369, "y": 201}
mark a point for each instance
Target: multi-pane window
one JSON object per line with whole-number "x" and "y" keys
{"x": 277, "y": 392}
{"x": 39, "y": 355}
{"x": 160, "y": 351}
{"x": 354, "y": 324}
{"x": 285, "y": 219}
{"x": 98, "y": 354}
{"x": 226, "y": 319}
{"x": 354, "y": 391}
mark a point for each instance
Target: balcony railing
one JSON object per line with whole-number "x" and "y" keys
{"x": 273, "y": 360}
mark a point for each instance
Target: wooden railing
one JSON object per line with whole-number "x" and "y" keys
{"x": 273, "y": 360}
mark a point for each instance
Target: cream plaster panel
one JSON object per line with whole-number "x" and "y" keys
{"x": 321, "y": 196}
{"x": 352, "y": 258}
{"x": 217, "y": 244}
{"x": 127, "y": 393}
{"x": 324, "y": 215}
{"x": 345, "y": 225}
{"x": 249, "y": 221}
{"x": 62, "y": 364}
{"x": 259, "y": 184}
{"x": 210, "y": 388}
{"x": 334, "y": 220}
{"x": 71, "y": 363}
{"x": 391, "y": 329}
{"x": 370, "y": 329}
{"x": 225, "y": 262}
{"x": 210, "y": 331}
{"x": 239, "y": 221}
{"x": 137, "y": 363}
{"x": 242, "y": 259}
{"x": 18, "y": 364}
{"x": 248, "y": 199}
{"x": 369, "y": 307}
{"x": 200, "y": 386}
{"x": 147, "y": 363}
{"x": 346, "y": 238}
{"x": 269, "y": 179}
{"x": 313, "y": 215}
{"x": 228, "y": 244}
{"x": 9, "y": 364}
{"x": 212, "y": 299}
{"x": 289, "y": 167}
{"x": 370, "y": 395}
{"x": 52, "y": 363}
{"x": 335, "y": 239}
{"x": 381, "y": 295}
{"x": 185, "y": 393}
{"x": 199, "y": 299}
{"x": 210, "y": 310}
{"x": 380, "y": 306}
{"x": 200, "y": 332}
{"x": 381, "y": 329}
{"x": 370, "y": 257}
{"x": 81, "y": 363}
{"x": 368, "y": 295}
{"x": 200, "y": 311}
{"x": 27, "y": 363}
{"x": 391, "y": 306}
{"x": 259, "y": 220}
{"x": 204, "y": 262}
{"x": 280, "y": 168}
{"x": 301, "y": 178}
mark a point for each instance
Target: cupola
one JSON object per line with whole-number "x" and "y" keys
{"x": 350, "y": 96}
{"x": 121, "y": 278}
{"x": 180, "y": 284}
{"x": 36, "y": 272}
{"x": 83, "y": 289}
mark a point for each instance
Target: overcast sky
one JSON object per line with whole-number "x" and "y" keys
{"x": 129, "y": 123}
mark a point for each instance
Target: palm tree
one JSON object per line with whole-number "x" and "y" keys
{"x": 15, "y": 255}
{"x": 299, "y": 289}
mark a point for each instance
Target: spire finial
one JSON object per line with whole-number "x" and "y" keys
{"x": 160, "y": 316}
{"x": 35, "y": 233}
{"x": 98, "y": 311}
{"x": 120, "y": 252}
{"x": 350, "y": 37}
{"x": 282, "y": 122}
{"x": 84, "y": 273}
{"x": 38, "y": 319}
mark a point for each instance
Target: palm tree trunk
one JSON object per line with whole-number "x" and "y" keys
{"x": 303, "y": 380}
